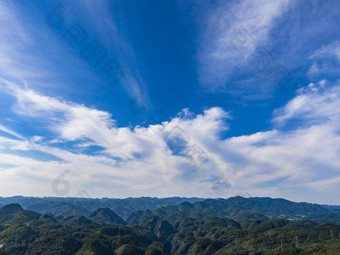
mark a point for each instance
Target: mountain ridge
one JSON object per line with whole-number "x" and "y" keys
{"x": 172, "y": 230}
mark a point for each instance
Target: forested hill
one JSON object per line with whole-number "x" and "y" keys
{"x": 103, "y": 232}
{"x": 131, "y": 209}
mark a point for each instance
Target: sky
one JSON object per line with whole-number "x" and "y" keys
{"x": 170, "y": 98}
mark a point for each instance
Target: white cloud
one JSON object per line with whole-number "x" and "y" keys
{"x": 221, "y": 51}
{"x": 104, "y": 23}
{"x": 332, "y": 49}
{"x": 141, "y": 158}
{"x": 138, "y": 161}
{"x": 11, "y": 132}
{"x": 32, "y": 51}
{"x": 315, "y": 103}
{"x": 322, "y": 61}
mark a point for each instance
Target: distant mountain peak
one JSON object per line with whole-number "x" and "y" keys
{"x": 47, "y": 218}
{"x": 78, "y": 220}
{"x": 106, "y": 216}
{"x": 10, "y": 209}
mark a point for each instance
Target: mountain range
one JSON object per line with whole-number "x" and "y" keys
{"x": 203, "y": 226}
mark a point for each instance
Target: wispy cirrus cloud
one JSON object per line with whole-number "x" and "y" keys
{"x": 232, "y": 33}
{"x": 112, "y": 37}
{"x": 31, "y": 51}
{"x": 332, "y": 49}
{"x": 325, "y": 61}
{"x": 16, "y": 61}
{"x": 11, "y": 132}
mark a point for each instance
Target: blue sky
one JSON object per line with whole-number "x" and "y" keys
{"x": 170, "y": 98}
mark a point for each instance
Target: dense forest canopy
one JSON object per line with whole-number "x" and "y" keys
{"x": 212, "y": 226}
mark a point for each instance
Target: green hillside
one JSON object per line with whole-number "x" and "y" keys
{"x": 199, "y": 228}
